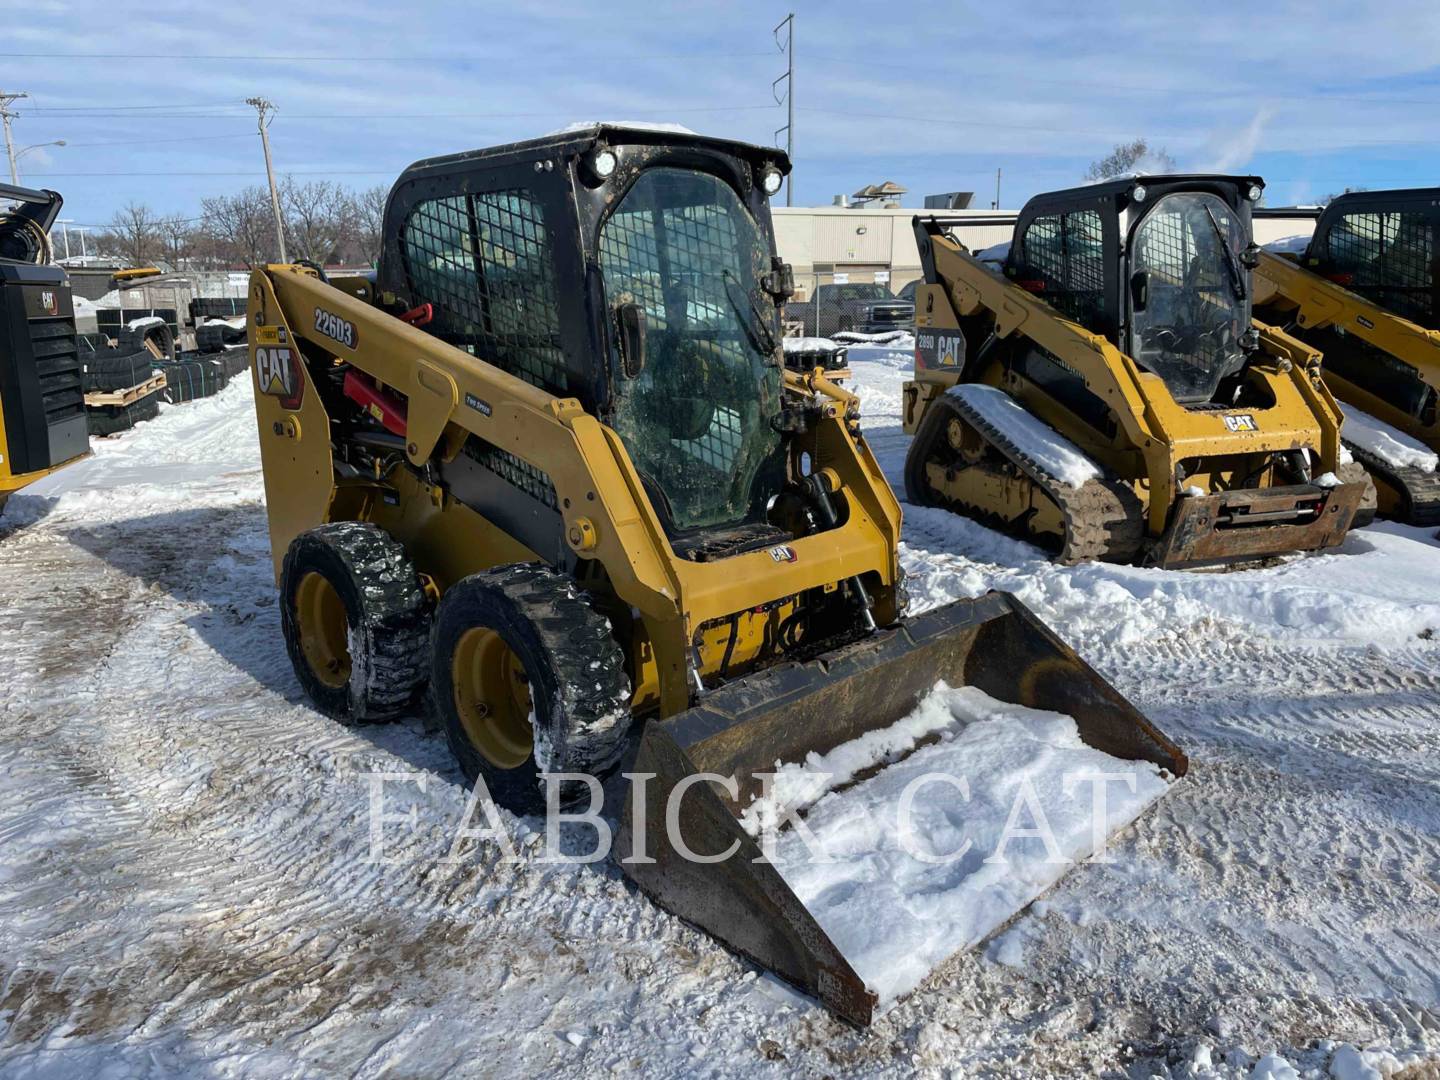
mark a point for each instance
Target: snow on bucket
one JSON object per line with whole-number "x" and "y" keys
{"x": 862, "y": 893}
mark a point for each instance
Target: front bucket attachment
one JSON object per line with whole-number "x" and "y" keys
{"x": 784, "y": 713}
{"x": 1252, "y": 523}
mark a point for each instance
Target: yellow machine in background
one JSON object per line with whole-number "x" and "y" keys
{"x": 550, "y": 469}
{"x": 42, "y": 402}
{"x": 1107, "y": 394}
{"x": 1366, "y": 292}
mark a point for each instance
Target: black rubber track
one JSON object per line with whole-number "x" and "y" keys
{"x": 387, "y": 612}
{"x": 576, "y": 670}
{"x": 113, "y": 419}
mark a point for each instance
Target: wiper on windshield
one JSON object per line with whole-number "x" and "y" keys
{"x": 1232, "y": 264}
{"x": 751, "y": 319}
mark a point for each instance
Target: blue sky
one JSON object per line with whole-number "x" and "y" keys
{"x": 1312, "y": 96}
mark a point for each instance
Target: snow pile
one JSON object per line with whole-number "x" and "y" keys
{"x": 1054, "y": 453}
{"x": 795, "y": 787}
{"x": 995, "y": 253}
{"x": 236, "y": 323}
{"x": 145, "y": 323}
{"x": 809, "y": 344}
{"x": 1389, "y": 444}
{"x": 1289, "y": 245}
{"x": 906, "y": 870}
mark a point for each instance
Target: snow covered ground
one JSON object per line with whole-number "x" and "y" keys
{"x": 186, "y": 888}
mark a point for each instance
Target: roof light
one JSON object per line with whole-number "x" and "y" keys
{"x": 603, "y": 162}
{"x": 1138, "y": 193}
{"x": 770, "y": 179}
{"x": 1254, "y": 193}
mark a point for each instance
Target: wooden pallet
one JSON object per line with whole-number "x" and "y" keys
{"x": 97, "y": 399}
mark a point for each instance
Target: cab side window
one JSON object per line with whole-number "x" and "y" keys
{"x": 1064, "y": 253}
{"x": 485, "y": 262}
{"x": 1387, "y": 257}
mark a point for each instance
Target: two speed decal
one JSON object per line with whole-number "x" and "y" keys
{"x": 336, "y": 328}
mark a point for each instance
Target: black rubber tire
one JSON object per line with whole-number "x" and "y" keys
{"x": 113, "y": 419}
{"x": 387, "y": 616}
{"x": 580, "y": 694}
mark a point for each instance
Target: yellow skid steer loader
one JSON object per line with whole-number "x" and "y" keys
{"x": 550, "y": 469}
{"x": 1366, "y": 293}
{"x": 42, "y": 401}
{"x": 1108, "y": 396}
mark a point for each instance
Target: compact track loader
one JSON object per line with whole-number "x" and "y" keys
{"x": 549, "y": 469}
{"x": 42, "y": 403}
{"x": 1366, "y": 293}
{"x": 1108, "y": 395}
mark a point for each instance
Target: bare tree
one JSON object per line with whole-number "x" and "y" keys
{"x": 370, "y": 222}
{"x": 240, "y": 228}
{"x": 178, "y": 238}
{"x": 1129, "y": 158}
{"x": 134, "y": 235}
{"x": 319, "y": 218}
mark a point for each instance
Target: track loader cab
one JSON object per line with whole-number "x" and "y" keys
{"x": 1366, "y": 292}
{"x": 42, "y": 404}
{"x": 549, "y": 470}
{"x": 1175, "y": 429}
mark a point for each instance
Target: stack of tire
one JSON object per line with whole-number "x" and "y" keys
{"x": 129, "y": 362}
{"x": 109, "y": 369}
{"x": 195, "y": 375}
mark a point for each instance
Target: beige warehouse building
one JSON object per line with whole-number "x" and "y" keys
{"x": 859, "y": 243}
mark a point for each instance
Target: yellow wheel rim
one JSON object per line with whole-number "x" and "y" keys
{"x": 324, "y": 629}
{"x": 492, "y": 698}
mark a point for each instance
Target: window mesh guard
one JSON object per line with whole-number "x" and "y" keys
{"x": 1390, "y": 257}
{"x": 485, "y": 262}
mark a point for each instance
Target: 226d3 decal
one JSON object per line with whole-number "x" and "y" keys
{"x": 336, "y": 328}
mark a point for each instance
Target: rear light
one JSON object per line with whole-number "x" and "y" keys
{"x": 919, "y": 359}
{"x": 1341, "y": 279}
{"x": 1031, "y": 285}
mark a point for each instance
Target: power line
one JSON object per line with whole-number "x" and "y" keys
{"x": 432, "y": 115}
{"x": 140, "y": 142}
{"x": 419, "y": 59}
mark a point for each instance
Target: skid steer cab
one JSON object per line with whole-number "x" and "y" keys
{"x": 1366, "y": 293}
{"x": 1107, "y": 392}
{"x": 548, "y": 471}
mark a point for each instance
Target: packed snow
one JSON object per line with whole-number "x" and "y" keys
{"x": 634, "y": 125}
{"x": 1289, "y": 245}
{"x": 1054, "y": 453}
{"x": 188, "y": 885}
{"x": 995, "y": 254}
{"x": 1386, "y": 442}
{"x": 935, "y": 852}
{"x": 145, "y": 323}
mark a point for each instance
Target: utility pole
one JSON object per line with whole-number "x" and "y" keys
{"x": 996, "y": 204}
{"x": 788, "y": 48}
{"x": 5, "y": 117}
{"x": 263, "y": 109}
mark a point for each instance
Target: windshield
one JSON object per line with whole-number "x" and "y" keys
{"x": 1188, "y": 293}
{"x": 697, "y": 420}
